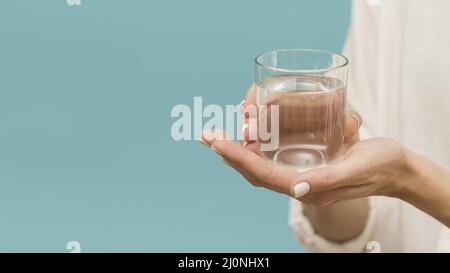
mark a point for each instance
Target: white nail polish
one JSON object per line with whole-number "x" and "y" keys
{"x": 242, "y": 103}
{"x": 244, "y": 127}
{"x": 301, "y": 189}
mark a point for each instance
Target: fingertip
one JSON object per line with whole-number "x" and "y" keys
{"x": 206, "y": 137}
{"x": 210, "y": 135}
{"x": 244, "y": 131}
{"x": 352, "y": 123}
{"x": 301, "y": 189}
{"x": 202, "y": 141}
{"x": 252, "y": 146}
{"x": 356, "y": 118}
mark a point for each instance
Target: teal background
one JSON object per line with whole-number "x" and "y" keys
{"x": 85, "y": 146}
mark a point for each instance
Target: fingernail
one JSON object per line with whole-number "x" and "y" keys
{"x": 357, "y": 120}
{"x": 215, "y": 150}
{"x": 242, "y": 103}
{"x": 226, "y": 162}
{"x": 244, "y": 127}
{"x": 301, "y": 189}
{"x": 245, "y": 144}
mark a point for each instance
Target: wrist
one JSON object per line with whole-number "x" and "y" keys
{"x": 425, "y": 185}
{"x": 410, "y": 178}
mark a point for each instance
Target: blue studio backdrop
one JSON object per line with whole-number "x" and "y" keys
{"x": 86, "y": 94}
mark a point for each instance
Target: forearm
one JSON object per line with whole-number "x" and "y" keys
{"x": 339, "y": 222}
{"x": 427, "y": 187}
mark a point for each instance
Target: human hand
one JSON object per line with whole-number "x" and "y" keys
{"x": 369, "y": 167}
{"x": 377, "y": 166}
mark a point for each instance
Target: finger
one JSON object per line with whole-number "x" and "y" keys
{"x": 262, "y": 172}
{"x": 242, "y": 172}
{"x": 341, "y": 194}
{"x": 253, "y": 146}
{"x": 249, "y": 129}
{"x": 352, "y": 123}
{"x": 256, "y": 169}
{"x": 249, "y": 109}
{"x": 208, "y": 136}
{"x": 278, "y": 178}
{"x": 334, "y": 176}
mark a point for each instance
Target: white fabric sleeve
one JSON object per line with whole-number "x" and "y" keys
{"x": 313, "y": 242}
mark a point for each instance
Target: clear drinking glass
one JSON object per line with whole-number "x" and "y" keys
{"x": 309, "y": 87}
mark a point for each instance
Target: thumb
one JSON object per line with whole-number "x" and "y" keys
{"x": 325, "y": 178}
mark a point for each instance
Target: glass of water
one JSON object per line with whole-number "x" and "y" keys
{"x": 308, "y": 87}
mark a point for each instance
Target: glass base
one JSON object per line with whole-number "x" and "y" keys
{"x": 301, "y": 157}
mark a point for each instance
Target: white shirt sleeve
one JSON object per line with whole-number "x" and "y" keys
{"x": 313, "y": 242}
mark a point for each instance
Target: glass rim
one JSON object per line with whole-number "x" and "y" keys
{"x": 281, "y": 69}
